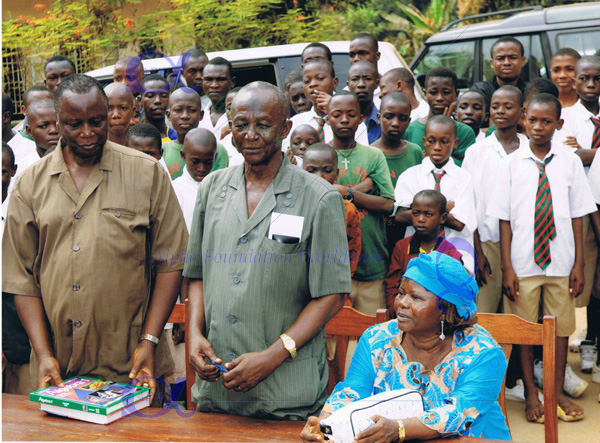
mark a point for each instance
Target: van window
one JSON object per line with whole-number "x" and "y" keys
{"x": 583, "y": 41}
{"x": 248, "y": 74}
{"x": 457, "y": 56}
{"x": 341, "y": 64}
{"x": 534, "y": 64}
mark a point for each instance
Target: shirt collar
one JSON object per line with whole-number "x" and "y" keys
{"x": 188, "y": 177}
{"x": 526, "y": 152}
{"x": 58, "y": 164}
{"x": 373, "y": 117}
{"x": 581, "y": 110}
{"x": 427, "y": 166}
{"x": 414, "y": 246}
{"x": 281, "y": 183}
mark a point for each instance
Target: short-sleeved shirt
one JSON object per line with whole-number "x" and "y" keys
{"x": 514, "y": 200}
{"x": 175, "y": 163}
{"x": 88, "y": 256}
{"x": 459, "y": 395}
{"x": 256, "y": 287}
{"x": 594, "y": 178}
{"x": 482, "y": 161}
{"x": 578, "y": 124}
{"x": 354, "y": 166}
{"x": 217, "y": 128}
{"x": 464, "y": 133}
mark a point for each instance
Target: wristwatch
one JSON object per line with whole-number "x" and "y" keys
{"x": 349, "y": 194}
{"x": 289, "y": 344}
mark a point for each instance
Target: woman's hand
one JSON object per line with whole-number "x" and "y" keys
{"x": 384, "y": 430}
{"x": 312, "y": 430}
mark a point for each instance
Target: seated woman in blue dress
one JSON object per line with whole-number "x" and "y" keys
{"x": 434, "y": 346}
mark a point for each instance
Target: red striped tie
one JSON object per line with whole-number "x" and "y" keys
{"x": 320, "y": 128}
{"x": 544, "y": 228}
{"x": 596, "y": 135}
{"x": 438, "y": 179}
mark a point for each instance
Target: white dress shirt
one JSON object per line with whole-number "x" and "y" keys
{"x": 578, "y": 124}
{"x": 206, "y": 123}
{"x": 235, "y": 158}
{"x": 186, "y": 190}
{"x": 4, "y": 212}
{"x": 420, "y": 111}
{"x": 482, "y": 161}
{"x": 21, "y": 147}
{"x": 514, "y": 200}
{"x": 593, "y": 177}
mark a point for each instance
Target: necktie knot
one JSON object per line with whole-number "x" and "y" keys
{"x": 438, "y": 178}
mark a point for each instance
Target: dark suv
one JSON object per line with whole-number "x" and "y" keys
{"x": 466, "y": 48}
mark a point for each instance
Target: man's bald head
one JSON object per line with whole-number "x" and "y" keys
{"x": 363, "y": 65}
{"x": 263, "y": 92}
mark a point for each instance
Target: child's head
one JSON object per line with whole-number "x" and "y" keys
{"x": 562, "y": 68}
{"x": 199, "y": 152}
{"x": 56, "y": 70}
{"x": 120, "y": 110}
{"x": 41, "y": 125}
{"x": 363, "y": 79}
{"x": 587, "y": 79}
{"x": 321, "y": 159}
{"x": 441, "y": 85}
{"x": 136, "y": 115}
{"x": 508, "y": 59}
{"x": 440, "y": 139}
{"x": 394, "y": 115}
{"x": 302, "y": 137}
{"x": 33, "y": 94}
{"x": 8, "y": 110}
{"x": 129, "y": 71}
{"x": 343, "y": 115}
{"x": 506, "y": 107}
{"x": 315, "y": 51}
{"x": 365, "y": 47}
{"x": 193, "y": 62}
{"x": 318, "y": 76}
{"x": 217, "y": 79}
{"x": 155, "y": 97}
{"x": 428, "y": 212}
{"x": 229, "y": 100}
{"x": 185, "y": 111}
{"x": 9, "y": 168}
{"x": 542, "y": 118}
{"x": 145, "y": 138}
{"x": 297, "y": 98}
{"x": 470, "y": 109}
{"x": 397, "y": 79}
{"x": 537, "y": 86}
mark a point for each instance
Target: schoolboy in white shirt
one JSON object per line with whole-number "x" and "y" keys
{"x": 540, "y": 199}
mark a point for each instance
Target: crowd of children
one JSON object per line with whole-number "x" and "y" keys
{"x": 503, "y": 177}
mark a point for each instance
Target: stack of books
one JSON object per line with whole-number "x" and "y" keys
{"x": 92, "y": 400}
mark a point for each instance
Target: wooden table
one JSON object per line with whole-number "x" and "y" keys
{"x": 22, "y": 420}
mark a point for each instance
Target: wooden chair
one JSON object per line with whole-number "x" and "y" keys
{"x": 179, "y": 315}
{"x": 347, "y": 324}
{"x": 509, "y": 330}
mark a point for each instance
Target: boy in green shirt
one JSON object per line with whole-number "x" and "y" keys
{"x": 441, "y": 85}
{"x": 360, "y": 166}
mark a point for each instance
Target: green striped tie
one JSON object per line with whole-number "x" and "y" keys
{"x": 320, "y": 128}
{"x": 544, "y": 228}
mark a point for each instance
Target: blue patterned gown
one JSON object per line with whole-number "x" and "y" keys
{"x": 460, "y": 394}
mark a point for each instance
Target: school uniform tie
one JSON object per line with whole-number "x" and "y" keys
{"x": 438, "y": 179}
{"x": 544, "y": 228}
{"x": 596, "y": 134}
{"x": 320, "y": 128}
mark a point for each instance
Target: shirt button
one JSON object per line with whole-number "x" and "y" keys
{"x": 288, "y": 196}
{"x": 286, "y": 203}
{"x": 76, "y": 287}
{"x": 244, "y": 240}
{"x": 117, "y": 214}
{"x": 231, "y": 356}
{"x": 77, "y": 324}
{"x": 224, "y": 188}
{"x": 236, "y": 279}
{"x": 233, "y": 319}
{"x": 222, "y": 194}
{"x": 76, "y": 248}
{"x": 78, "y": 216}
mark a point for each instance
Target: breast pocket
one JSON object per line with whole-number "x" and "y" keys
{"x": 124, "y": 232}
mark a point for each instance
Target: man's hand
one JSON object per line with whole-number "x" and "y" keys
{"x": 384, "y": 430}
{"x": 450, "y": 109}
{"x": 142, "y": 371}
{"x": 484, "y": 268}
{"x": 312, "y": 430}
{"x": 49, "y": 373}
{"x": 248, "y": 370}
{"x": 510, "y": 284}
{"x": 576, "y": 281}
{"x": 200, "y": 348}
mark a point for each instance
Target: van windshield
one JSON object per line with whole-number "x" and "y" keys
{"x": 457, "y": 56}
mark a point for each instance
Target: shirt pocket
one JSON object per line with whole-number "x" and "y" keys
{"x": 124, "y": 232}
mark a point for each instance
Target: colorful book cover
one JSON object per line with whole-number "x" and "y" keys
{"x": 90, "y": 395}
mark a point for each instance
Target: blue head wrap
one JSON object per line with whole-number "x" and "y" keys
{"x": 445, "y": 277}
